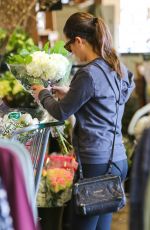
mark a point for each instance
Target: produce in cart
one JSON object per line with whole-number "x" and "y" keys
{"x": 16, "y": 120}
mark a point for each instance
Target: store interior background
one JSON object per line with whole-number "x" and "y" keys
{"x": 127, "y": 20}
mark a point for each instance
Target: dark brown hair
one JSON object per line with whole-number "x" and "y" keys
{"x": 96, "y": 32}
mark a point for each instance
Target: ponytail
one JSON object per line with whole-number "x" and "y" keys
{"x": 104, "y": 46}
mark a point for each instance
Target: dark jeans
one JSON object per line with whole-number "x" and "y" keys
{"x": 102, "y": 222}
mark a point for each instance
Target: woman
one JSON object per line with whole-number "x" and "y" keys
{"x": 92, "y": 99}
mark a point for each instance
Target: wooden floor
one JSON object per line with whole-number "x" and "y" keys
{"x": 121, "y": 219}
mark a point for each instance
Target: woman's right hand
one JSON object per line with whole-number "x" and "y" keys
{"x": 60, "y": 91}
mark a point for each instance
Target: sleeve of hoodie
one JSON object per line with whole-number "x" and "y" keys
{"x": 128, "y": 85}
{"x": 81, "y": 90}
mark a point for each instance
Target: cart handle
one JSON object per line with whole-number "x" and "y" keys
{"x": 37, "y": 126}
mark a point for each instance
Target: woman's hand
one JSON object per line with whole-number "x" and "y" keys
{"x": 36, "y": 90}
{"x": 60, "y": 91}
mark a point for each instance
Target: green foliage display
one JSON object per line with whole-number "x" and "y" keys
{"x": 18, "y": 41}
{"x": 9, "y": 85}
{"x": 10, "y": 90}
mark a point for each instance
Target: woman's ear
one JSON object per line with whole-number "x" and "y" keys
{"x": 79, "y": 41}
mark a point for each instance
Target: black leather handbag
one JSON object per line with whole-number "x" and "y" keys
{"x": 101, "y": 194}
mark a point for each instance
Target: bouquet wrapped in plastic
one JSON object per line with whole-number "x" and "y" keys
{"x": 44, "y": 67}
{"x": 57, "y": 178}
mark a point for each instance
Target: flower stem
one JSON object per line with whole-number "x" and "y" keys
{"x": 62, "y": 141}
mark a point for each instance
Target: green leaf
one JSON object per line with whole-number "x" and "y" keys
{"x": 46, "y": 47}
{"x": 29, "y": 42}
{"x": 59, "y": 48}
{"x": 19, "y": 59}
{"x": 34, "y": 48}
{"x": 24, "y": 52}
{"x": 27, "y": 59}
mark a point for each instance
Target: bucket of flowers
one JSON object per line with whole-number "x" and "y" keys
{"x": 55, "y": 188}
{"x": 58, "y": 174}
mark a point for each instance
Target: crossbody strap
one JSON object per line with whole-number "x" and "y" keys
{"x": 110, "y": 162}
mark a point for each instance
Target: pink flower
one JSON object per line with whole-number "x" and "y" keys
{"x": 59, "y": 179}
{"x": 62, "y": 161}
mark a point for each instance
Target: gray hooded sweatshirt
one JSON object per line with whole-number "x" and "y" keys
{"x": 93, "y": 99}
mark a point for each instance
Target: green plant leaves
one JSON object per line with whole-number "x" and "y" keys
{"x": 46, "y": 47}
{"x": 23, "y": 58}
{"x": 24, "y": 52}
{"x": 59, "y": 48}
{"x": 24, "y": 55}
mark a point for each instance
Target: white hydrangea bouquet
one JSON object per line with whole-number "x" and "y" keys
{"x": 45, "y": 67}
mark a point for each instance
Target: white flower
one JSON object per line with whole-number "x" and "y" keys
{"x": 5, "y": 118}
{"x": 25, "y": 119}
{"x": 34, "y": 121}
{"x": 47, "y": 66}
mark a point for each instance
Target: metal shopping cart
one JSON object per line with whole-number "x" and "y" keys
{"x": 37, "y": 145}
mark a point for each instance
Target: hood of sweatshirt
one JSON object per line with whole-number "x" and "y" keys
{"x": 125, "y": 84}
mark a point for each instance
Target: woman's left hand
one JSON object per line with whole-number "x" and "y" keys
{"x": 36, "y": 90}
